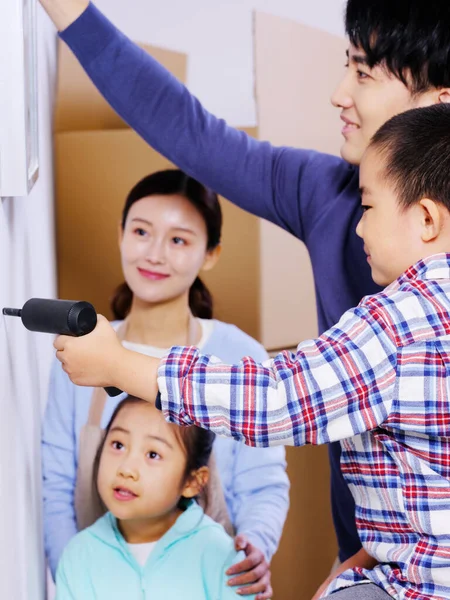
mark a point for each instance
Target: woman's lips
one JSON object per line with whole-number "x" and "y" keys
{"x": 153, "y": 275}
{"x": 123, "y": 495}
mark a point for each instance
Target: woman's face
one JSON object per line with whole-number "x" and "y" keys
{"x": 163, "y": 247}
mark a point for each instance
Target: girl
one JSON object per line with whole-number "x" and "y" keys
{"x": 155, "y": 540}
{"x": 170, "y": 230}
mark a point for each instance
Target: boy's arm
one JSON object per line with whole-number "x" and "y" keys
{"x": 58, "y": 466}
{"x": 332, "y": 388}
{"x": 286, "y": 186}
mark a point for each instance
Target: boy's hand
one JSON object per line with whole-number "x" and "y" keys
{"x": 91, "y": 359}
{"x": 255, "y": 571}
{"x": 360, "y": 559}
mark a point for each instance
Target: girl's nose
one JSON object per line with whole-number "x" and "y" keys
{"x": 128, "y": 470}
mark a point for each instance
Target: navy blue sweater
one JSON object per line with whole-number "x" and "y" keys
{"x": 312, "y": 195}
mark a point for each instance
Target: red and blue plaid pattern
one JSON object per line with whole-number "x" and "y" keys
{"x": 378, "y": 381}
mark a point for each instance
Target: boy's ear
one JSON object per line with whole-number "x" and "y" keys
{"x": 431, "y": 219}
{"x": 196, "y": 482}
{"x": 444, "y": 95}
{"x": 212, "y": 256}
{"x": 120, "y": 232}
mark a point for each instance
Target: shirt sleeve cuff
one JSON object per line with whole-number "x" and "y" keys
{"x": 88, "y": 35}
{"x": 172, "y": 374}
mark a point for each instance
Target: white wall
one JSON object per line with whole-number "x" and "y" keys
{"x": 27, "y": 269}
{"x": 217, "y": 36}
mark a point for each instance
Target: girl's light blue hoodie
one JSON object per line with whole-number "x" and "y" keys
{"x": 188, "y": 562}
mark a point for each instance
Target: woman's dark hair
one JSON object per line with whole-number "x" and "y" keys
{"x": 415, "y": 149}
{"x": 410, "y": 37}
{"x": 197, "y": 442}
{"x": 168, "y": 183}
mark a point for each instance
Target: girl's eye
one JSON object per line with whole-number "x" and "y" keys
{"x": 365, "y": 208}
{"x": 178, "y": 241}
{"x": 153, "y": 455}
{"x": 117, "y": 445}
{"x": 362, "y": 75}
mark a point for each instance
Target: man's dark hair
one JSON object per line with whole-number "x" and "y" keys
{"x": 415, "y": 149}
{"x": 409, "y": 37}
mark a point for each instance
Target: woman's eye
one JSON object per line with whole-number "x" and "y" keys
{"x": 117, "y": 445}
{"x": 139, "y": 231}
{"x": 153, "y": 455}
{"x": 365, "y": 208}
{"x": 178, "y": 241}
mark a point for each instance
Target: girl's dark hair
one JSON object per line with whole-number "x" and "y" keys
{"x": 411, "y": 37}
{"x": 168, "y": 183}
{"x": 197, "y": 442}
{"x": 415, "y": 149}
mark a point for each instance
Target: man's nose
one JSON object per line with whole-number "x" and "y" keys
{"x": 341, "y": 97}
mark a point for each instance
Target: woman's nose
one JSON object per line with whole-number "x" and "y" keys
{"x": 155, "y": 252}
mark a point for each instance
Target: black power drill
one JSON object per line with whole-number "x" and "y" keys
{"x": 61, "y": 317}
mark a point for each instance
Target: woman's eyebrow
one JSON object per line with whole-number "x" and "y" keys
{"x": 176, "y": 228}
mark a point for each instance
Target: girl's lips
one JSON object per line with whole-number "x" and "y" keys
{"x": 152, "y": 275}
{"x": 123, "y": 495}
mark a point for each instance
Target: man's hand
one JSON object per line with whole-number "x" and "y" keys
{"x": 254, "y": 571}
{"x": 91, "y": 359}
{"x": 64, "y": 12}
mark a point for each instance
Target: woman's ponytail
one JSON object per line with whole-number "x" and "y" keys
{"x": 200, "y": 300}
{"x": 121, "y": 301}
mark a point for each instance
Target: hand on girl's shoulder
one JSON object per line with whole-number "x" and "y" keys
{"x": 218, "y": 555}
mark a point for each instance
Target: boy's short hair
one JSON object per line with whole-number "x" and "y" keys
{"x": 415, "y": 148}
{"x": 410, "y": 37}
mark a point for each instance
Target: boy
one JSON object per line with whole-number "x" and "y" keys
{"x": 399, "y": 58}
{"x": 377, "y": 381}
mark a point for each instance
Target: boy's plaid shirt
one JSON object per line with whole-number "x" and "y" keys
{"x": 379, "y": 382}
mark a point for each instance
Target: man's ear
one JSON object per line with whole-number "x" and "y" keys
{"x": 120, "y": 233}
{"x": 431, "y": 219}
{"x": 195, "y": 482}
{"x": 212, "y": 256}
